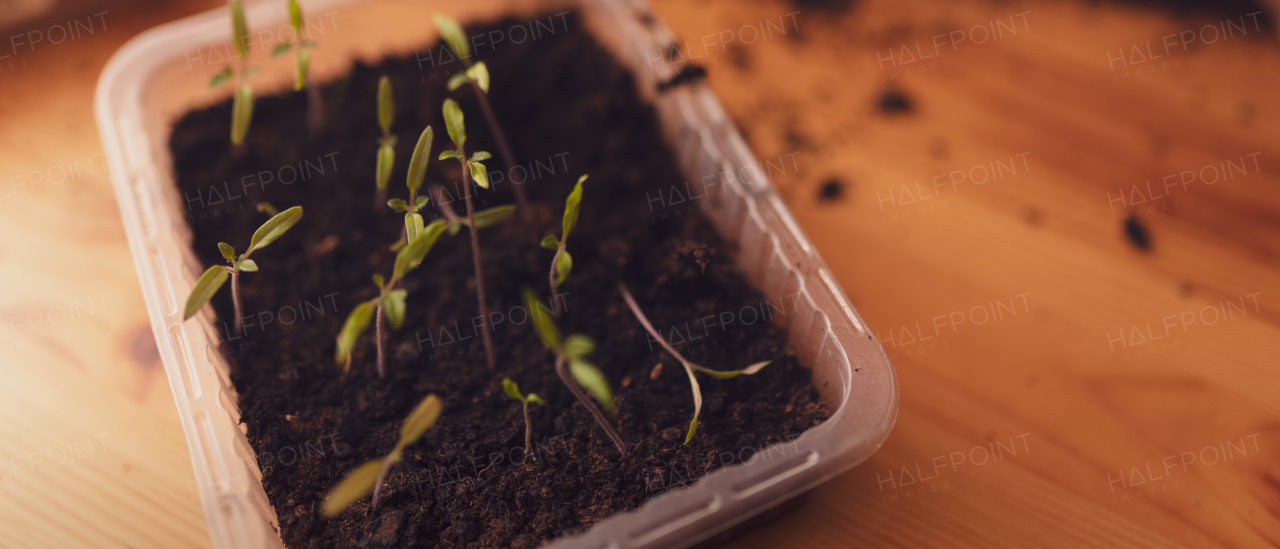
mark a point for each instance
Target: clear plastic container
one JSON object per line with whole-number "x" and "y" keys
{"x": 162, "y": 73}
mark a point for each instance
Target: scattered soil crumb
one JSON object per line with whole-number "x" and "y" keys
{"x": 1137, "y": 233}
{"x": 938, "y": 148}
{"x": 831, "y": 191}
{"x": 1034, "y": 217}
{"x": 893, "y": 101}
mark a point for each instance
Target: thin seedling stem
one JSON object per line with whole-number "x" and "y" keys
{"x": 475, "y": 254}
{"x": 582, "y": 397}
{"x": 238, "y": 151}
{"x": 528, "y": 429}
{"x": 377, "y": 313}
{"x": 235, "y": 298}
{"x": 504, "y": 148}
{"x": 635, "y": 309}
{"x": 555, "y": 305}
{"x": 382, "y": 476}
{"x": 315, "y": 108}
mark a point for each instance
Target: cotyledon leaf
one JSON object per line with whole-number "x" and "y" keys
{"x": 203, "y": 291}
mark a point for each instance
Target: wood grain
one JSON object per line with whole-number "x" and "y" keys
{"x": 1088, "y": 411}
{"x": 91, "y": 454}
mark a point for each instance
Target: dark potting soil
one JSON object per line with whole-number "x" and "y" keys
{"x": 569, "y": 109}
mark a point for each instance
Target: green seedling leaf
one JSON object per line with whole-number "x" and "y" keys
{"x": 456, "y": 81}
{"x": 356, "y": 484}
{"x": 304, "y": 65}
{"x": 454, "y": 122}
{"x": 203, "y": 291}
{"x": 535, "y": 398}
{"x": 220, "y": 77}
{"x": 445, "y": 155}
{"x": 280, "y": 49}
{"x": 571, "y": 206}
{"x": 492, "y": 216}
{"x": 542, "y": 321}
{"x": 295, "y": 17}
{"x": 480, "y": 155}
{"x": 248, "y": 266}
{"x": 227, "y": 251}
{"x": 420, "y": 419}
{"x": 412, "y": 254}
{"x": 274, "y": 228}
{"x": 398, "y": 204}
{"x": 412, "y": 226}
{"x": 267, "y": 208}
{"x": 697, "y": 402}
{"x": 355, "y": 325}
{"x": 479, "y": 74}
{"x": 511, "y": 389}
{"x": 564, "y": 264}
{"x": 239, "y": 30}
{"x": 420, "y": 203}
{"x": 386, "y": 105}
{"x": 452, "y": 34}
{"x": 386, "y": 161}
{"x": 378, "y": 280}
{"x": 591, "y": 379}
{"x": 241, "y": 113}
{"x": 549, "y": 242}
{"x": 418, "y": 162}
{"x": 749, "y": 370}
{"x": 479, "y": 173}
{"x": 578, "y": 346}
{"x": 393, "y": 306}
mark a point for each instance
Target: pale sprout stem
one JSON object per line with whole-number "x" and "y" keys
{"x": 235, "y": 299}
{"x": 475, "y": 253}
{"x": 582, "y": 397}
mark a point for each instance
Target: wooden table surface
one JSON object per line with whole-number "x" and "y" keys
{"x": 1060, "y": 386}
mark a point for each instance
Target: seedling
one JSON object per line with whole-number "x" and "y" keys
{"x": 562, "y": 263}
{"x": 242, "y": 99}
{"x": 371, "y": 475}
{"x": 417, "y": 242}
{"x": 513, "y": 391}
{"x": 211, "y": 281}
{"x": 471, "y": 168}
{"x": 484, "y": 218}
{"x": 302, "y": 63}
{"x": 689, "y": 367}
{"x": 417, "y": 171}
{"x": 477, "y": 74}
{"x": 387, "y": 144}
{"x": 390, "y": 301}
{"x": 572, "y": 351}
